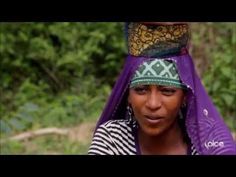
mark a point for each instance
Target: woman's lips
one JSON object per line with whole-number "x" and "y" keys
{"x": 153, "y": 119}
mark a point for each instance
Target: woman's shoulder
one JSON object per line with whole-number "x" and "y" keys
{"x": 114, "y": 137}
{"x": 117, "y": 124}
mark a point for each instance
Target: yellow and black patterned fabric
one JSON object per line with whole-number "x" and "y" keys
{"x": 152, "y": 40}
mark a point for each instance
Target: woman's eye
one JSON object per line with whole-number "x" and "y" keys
{"x": 141, "y": 90}
{"x": 168, "y": 92}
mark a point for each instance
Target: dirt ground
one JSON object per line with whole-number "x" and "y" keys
{"x": 82, "y": 133}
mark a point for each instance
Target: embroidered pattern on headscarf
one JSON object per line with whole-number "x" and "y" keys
{"x": 158, "y": 72}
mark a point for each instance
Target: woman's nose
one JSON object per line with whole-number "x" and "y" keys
{"x": 154, "y": 100}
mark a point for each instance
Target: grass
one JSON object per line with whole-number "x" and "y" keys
{"x": 77, "y": 141}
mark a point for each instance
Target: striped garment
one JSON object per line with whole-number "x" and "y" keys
{"x": 117, "y": 137}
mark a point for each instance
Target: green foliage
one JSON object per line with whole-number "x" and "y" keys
{"x": 56, "y": 67}
{"x": 12, "y": 147}
{"x": 219, "y": 43}
{"x": 45, "y": 145}
{"x": 65, "y": 109}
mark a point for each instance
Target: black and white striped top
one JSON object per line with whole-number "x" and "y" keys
{"x": 118, "y": 137}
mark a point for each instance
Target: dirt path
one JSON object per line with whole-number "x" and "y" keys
{"x": 82, "y": 133}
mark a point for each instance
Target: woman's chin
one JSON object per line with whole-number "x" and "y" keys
{"x": 153, "y": 131}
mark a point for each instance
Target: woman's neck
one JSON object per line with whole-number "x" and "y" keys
{"x": 169, "y": 142}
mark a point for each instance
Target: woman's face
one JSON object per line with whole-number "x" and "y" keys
{"x": 155, "y": 107}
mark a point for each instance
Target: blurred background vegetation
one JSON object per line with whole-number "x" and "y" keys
{"x": 60, "y": 75}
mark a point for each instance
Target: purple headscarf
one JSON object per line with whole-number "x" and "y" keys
{"x": 205, "y": 127}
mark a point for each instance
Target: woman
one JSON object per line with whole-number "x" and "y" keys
{"x": 158, "y": 105}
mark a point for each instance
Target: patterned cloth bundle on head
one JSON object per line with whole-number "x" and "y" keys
{"x": 156, "y": 40}
{"x": 158, "y": 55}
